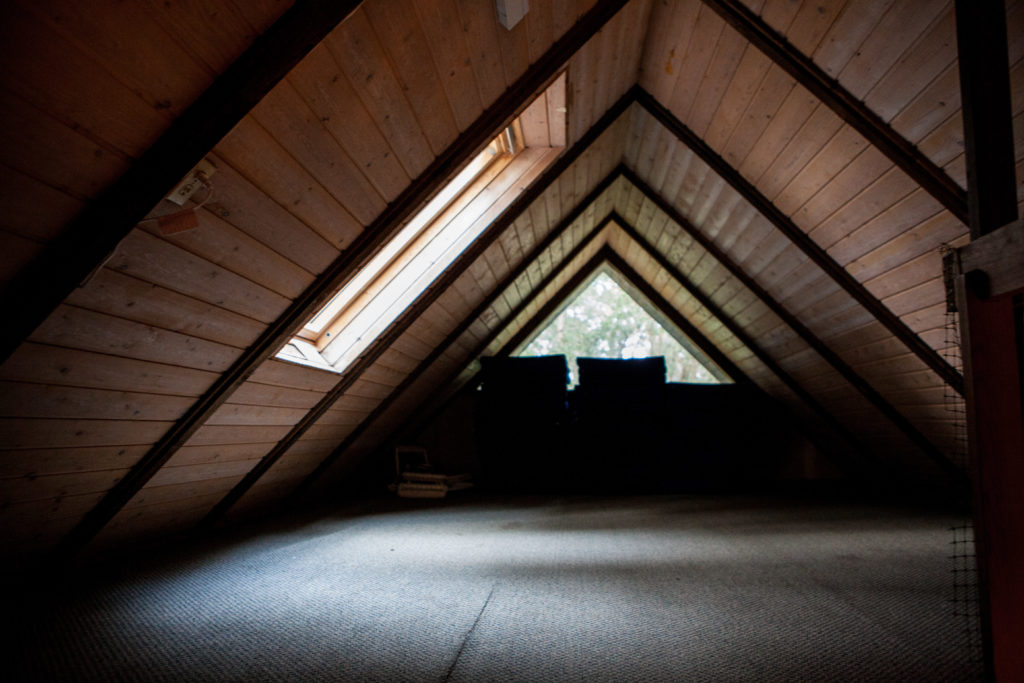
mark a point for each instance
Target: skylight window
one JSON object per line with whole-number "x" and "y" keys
{"x": 412, "y": 229}
{"x": 379, "y": 293}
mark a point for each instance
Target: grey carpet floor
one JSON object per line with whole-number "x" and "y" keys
{"x": 656, "y": 588}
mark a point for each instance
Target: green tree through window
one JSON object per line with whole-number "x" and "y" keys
{"x": 604, "y": 321}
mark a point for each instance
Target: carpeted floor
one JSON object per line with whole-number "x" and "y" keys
{"x": 659, "y": 588}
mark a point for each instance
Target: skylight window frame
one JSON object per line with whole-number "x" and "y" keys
{"x": 455, "y": 192}
{"x": 469, "y": 202}
{"x": 325, "y": 332}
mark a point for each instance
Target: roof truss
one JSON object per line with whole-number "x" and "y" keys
{"x": 294, "y": 43}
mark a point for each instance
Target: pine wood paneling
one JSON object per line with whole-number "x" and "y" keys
{"x": 74, "y": 327}
{"x": 42, "y": 401}
{"x": 255, "y": 153}
{"x": 124, "y": 296}
{"x": 204, "y": 455}
{"x": 452, "y": 59}
{"x": 37, "y": 524}
{"x": 229, "y": 444}
{"x": 80, "y": 92}
{"x": 46, "y": 364}
{"x": 357, "y": 50}
{"x": 58, "y": 433}
{"x": 292, "y": 123}
{"x": 242, "y": 204}
{"x": 32, "y": 464}
{"x": 480, "y": 27}
{"x": 128, "y": 41}
{"x": 331, "y": 98}
{"x": 157, "y": 261}
{"x": 215, "y": 435}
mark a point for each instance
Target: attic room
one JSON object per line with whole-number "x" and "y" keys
{"x": 267, "y": 262}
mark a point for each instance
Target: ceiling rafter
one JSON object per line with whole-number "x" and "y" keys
{"x": 798, "y": 237}
{"x": 495, "y": 117}
{"x": 91, "y": 237}
{"x": 810, "y": 338}
{"x": 909, "y": 158}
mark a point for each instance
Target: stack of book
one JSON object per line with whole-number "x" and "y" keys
{"x": 431, "y": 484}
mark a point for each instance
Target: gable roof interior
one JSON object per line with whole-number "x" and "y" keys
{"x": 163, "y": 337}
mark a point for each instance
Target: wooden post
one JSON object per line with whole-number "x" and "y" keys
{"x": 992, "y": 346}
{"x": 992, "y": 336}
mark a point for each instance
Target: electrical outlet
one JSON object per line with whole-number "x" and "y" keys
{"x": 188, "y": 186}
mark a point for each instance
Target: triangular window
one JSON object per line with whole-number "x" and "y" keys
{"x": 604, "y": 320}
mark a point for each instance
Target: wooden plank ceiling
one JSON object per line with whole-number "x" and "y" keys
{"x": 148, "y": 400}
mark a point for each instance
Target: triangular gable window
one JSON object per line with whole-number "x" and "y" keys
{"x": 361, "y": 310}
{"x": 604, "y": 320}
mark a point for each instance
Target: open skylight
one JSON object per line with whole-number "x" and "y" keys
{"x": 430, "y": 241}
{"x": 605, "y": 321}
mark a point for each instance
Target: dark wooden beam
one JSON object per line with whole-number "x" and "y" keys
{"x": 987, "y": 113}
{"x": 35, "y": 292}
{"x": 350, "y": 261}
{"x": 808, "y": 246}
{"x": 454, "y": 335}
{"x": 739, "y": 333}
{"x": 802, "y": 331}
{"x": 920, "y": 168}
{"x": 992, "y": 333}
